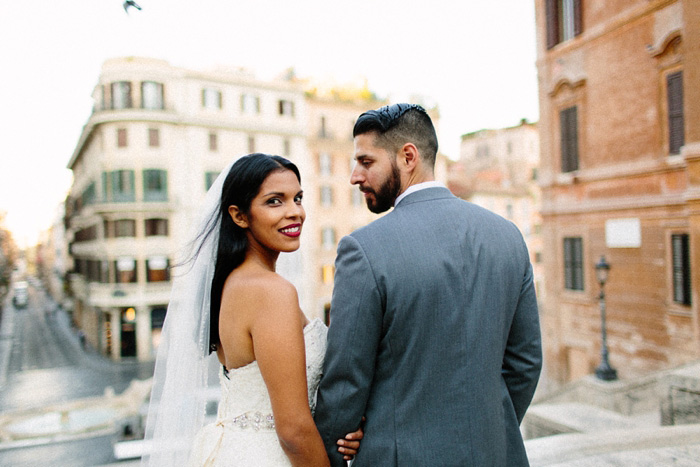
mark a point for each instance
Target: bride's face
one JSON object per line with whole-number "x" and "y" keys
{"x": 276, "y": 215}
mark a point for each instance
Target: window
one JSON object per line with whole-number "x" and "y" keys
{"x": 286, "y": 147}
{"x": 680, "y": 246}
{"x": 121, "y": 138}
{"x": 250, "y": 104}
{"x": 120, "y": 187}
{"x": 209, "y": 178}
{"x": 327, "y": 272}
{"x": 564, "y": 20}
{"x": 286, "y": 107}
{"x": 155, "y": 185}
{"x": 86, "y": 234}
{"x": 568, "y": 125}
{"x": 322, "y": 132}
{"x": 89, "y": 196}
{"x": 324, "y": 163}
{"x": 251, "y": 144}
{"x": 156, "y": 227}
{"x": 125, "y": 228}
{"x": 213, "y": 142}
{"x": 482, "y": 151}
{"x": 573, "y": 263}
{"x": 326, "y": 196}
{"x": 328, "y": 238}
{"x": 157, "y": 269}
{"x": 125, "y": 269}
{"x": 121, "y": 95}
{"x": 676, "y": 130}
{"x": 152, "y": 95}
{"x": 153, "y": 137}
{"x": 211, "y": 99}
{"x": 94, "y": 271}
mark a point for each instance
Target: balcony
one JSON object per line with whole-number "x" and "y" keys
{"x": 126, "y": 295}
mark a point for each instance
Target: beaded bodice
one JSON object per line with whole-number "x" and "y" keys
{"x": 245, "y": 403}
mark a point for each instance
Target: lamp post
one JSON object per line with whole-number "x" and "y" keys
{"x": 604, "y": 370}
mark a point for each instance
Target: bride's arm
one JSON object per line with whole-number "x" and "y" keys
{"x": 278, "y": 343}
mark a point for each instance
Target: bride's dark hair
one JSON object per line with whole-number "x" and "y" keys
{"x": 241, "y": 185}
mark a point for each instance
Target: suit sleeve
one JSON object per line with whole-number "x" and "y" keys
{"x": 353, "y": 340}
{"x": 522, "y": 360}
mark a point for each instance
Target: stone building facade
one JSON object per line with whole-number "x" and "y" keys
{"x": 338, "y": 208}
{"x": 620, "y": 176}
{"x": 157, "y": 138}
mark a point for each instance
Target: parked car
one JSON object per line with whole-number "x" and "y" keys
{"x": 20, "y": 294}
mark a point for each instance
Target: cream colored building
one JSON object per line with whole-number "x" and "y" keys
{"x": 336, "y": 208}
{"x": 156, "y": 139}
{"x": 498, "y": 170}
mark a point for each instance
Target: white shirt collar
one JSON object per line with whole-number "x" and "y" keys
{"x": 417, "y": 187}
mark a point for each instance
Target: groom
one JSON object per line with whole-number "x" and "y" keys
{"x": 434, "y": 333}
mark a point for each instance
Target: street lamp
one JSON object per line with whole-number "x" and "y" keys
{"x": 604, "y": 370}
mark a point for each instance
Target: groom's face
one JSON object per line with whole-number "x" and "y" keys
{"x": 376, "y": 173}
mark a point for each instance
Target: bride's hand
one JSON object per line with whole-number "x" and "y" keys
{"x": 349, "y": 445}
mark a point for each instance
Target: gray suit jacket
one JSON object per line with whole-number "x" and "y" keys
{"x": 434, "y": 337}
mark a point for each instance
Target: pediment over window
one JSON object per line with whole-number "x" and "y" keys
{"x": 566, "y": 84}
{"x": 666, "y": 43}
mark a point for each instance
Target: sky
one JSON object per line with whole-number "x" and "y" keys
{"x": 474, "y": 59}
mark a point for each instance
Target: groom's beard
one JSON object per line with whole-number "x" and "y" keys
{"x": 387, "y": 192}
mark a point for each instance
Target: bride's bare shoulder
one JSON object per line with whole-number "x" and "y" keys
{"x": 264, "y": 288}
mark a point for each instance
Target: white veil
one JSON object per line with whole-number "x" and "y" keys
{"x": 184, "y": 365}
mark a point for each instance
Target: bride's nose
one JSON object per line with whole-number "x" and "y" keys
{"x": 295, "y": 211}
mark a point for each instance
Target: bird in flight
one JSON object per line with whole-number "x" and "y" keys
{"x": 129, "y": 3}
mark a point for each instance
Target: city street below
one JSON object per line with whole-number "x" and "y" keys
{"x": 56, "y": 383}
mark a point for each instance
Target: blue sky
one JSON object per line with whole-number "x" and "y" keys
{"x": 474, "y": 59}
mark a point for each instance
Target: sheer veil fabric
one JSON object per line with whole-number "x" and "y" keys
{"x": 183, "y": 365}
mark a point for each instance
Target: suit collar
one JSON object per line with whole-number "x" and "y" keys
{"x": 425, "y": 194}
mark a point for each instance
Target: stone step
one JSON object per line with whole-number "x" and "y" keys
{"x": 575, "y": 417}
{"x": 677, "y": 446}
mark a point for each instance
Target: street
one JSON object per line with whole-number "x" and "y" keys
{"x": 42, "y": 363}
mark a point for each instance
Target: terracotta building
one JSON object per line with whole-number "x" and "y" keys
{"x": 620, "y": 175}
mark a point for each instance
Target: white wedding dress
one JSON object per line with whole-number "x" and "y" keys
{"x": 244, "y": 431}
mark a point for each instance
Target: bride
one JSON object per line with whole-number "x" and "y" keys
{"x": 231, "y": 303}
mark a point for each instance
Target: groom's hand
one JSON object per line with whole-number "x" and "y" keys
{"x": 349, "y": 445}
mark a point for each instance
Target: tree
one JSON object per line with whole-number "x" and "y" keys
{"x": 8, "y": 257}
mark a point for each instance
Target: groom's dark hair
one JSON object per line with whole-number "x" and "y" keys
{"x": 398, "y": 124}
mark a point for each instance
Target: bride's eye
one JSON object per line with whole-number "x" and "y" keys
{"x": 298, "y": 199}
{"x": 274, "y": 201}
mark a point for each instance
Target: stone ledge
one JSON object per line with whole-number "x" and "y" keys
{"x": 573, "y": 417}
{"x": 560, "y": 450}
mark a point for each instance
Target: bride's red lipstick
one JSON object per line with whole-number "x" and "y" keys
{"x": 292, "y": 230}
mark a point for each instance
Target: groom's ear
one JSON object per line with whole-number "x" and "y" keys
{"x": 238, "y": 216}
{"x": 409, "y": 156}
